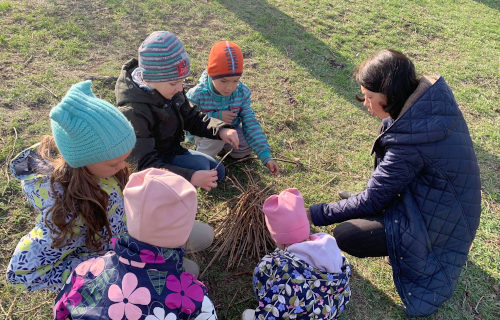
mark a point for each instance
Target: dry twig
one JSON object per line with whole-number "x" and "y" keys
{"x": 3, "y": 310}
{"x": 46, "y": 88}
{"x": 242, "y": 231}
{"x": 477, "y": 305}
{"x": 7, "y": 161}
{"x": 34, "y": 308}
{"x": 9, "y": 312}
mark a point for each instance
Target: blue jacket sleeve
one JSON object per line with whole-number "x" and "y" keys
{"x": 397, "y": 169}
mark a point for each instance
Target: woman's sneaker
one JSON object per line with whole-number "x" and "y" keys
{"x": 346, "y": 194}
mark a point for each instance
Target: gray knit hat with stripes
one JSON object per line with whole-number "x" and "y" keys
{"x": 163, "y": 58}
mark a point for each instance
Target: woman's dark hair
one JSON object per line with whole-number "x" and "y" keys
{"x": 391, "y": 73}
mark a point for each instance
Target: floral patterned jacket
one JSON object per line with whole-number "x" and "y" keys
{"x": 288, "y": 288}
{"x": 35, "y": 264}
{"x": 136, "y": 280}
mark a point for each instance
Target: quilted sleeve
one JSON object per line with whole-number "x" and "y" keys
{"x": 398, "y": 168}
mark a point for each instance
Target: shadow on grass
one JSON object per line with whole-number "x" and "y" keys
{"x": 293, "y": 41}
{"x": 475, "y": 296}
{"x": 494, "y": 4}
{"x": 232, "y": 293}
{"x": 489, "y": 165}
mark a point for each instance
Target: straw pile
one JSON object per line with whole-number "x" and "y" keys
{"x": 242, "y": 232}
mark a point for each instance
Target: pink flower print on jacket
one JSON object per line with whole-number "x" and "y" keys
{"x": 73, "y": 297}
{"x": 132, "y": 263}
{"x": 94, "y": 265}
{"x": 185, "y": 291}
{"x": 148, "y": 256}
{"x": 127, "y": 298}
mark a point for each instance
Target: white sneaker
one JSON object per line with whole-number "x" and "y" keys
{"x": 248, "y": 314}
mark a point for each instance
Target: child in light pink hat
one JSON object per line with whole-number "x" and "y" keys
{"x": 306, "y": 277}
{"x": 143, "y": 277}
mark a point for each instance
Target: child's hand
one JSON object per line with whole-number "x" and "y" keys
{"x": 205, "y": 179}
{"x": 273, "y": 167}
{"x": 230, "y": 136}
{"x": 228, "y": 116}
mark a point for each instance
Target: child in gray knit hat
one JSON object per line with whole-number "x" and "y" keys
{"x": 150, "y": 94}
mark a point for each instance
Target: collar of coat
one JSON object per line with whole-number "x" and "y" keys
{"x": 424, "y": 84}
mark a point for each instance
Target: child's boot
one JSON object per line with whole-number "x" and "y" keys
{"x": 248, "y": 314}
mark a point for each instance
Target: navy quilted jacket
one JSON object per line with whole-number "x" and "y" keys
{"x": 427, "y": 184}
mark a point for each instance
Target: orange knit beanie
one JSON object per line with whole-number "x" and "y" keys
{"x": 225, "y": 60}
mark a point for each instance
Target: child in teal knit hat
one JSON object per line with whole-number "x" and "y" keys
{"x": 74, "y": 180}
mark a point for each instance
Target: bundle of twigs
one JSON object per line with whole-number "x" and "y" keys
{"x": 242, "y": 232}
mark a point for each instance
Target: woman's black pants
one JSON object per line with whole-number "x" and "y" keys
{"x": 363, "y": 237}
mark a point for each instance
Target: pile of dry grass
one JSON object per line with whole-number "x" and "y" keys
{"x": 242, "y": 231}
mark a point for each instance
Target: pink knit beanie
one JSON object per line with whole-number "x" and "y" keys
{"x": 160, "y": 207}
{"x": 286, "y": 217}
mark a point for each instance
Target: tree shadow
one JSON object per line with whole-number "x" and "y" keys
{"x": 475, "y": 296}
{"x": 294, "y": 42}
{"x": 489, "y": 165}
{"x": 494, "y": 4}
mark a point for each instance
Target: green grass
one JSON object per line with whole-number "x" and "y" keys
{"x": 299, "y": 57}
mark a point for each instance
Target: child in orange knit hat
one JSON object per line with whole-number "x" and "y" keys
{"x": 220, "y": 94}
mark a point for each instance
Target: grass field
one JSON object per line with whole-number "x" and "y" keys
{"x": 299, "y": 58}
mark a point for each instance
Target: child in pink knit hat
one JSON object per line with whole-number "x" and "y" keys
{"x": 310, "y": 277}
{"x": 143, "y": 277}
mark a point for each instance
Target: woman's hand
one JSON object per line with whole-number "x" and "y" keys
{"x": 230, "y": 136}
{"x": 205, "y": 179}
{"x": 228, "y": 116}
{"x": 273, "y": 167}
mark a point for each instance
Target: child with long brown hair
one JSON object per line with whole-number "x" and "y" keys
{"x": 75, "y": 180}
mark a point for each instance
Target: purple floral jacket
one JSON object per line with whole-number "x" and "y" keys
{"x": 136, "y": 281}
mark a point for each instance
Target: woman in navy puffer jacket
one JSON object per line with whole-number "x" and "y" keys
{"x": 422, "y": 204}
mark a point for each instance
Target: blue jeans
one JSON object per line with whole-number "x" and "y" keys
{"x": 192, "y": 159}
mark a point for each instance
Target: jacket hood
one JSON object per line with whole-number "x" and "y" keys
{"x": 127, "y": 91}
{"x": 29, "y": 163}
{"x": 429, "y": 115}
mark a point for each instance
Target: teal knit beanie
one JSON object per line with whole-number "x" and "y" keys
{"x": 89, "y": 130}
